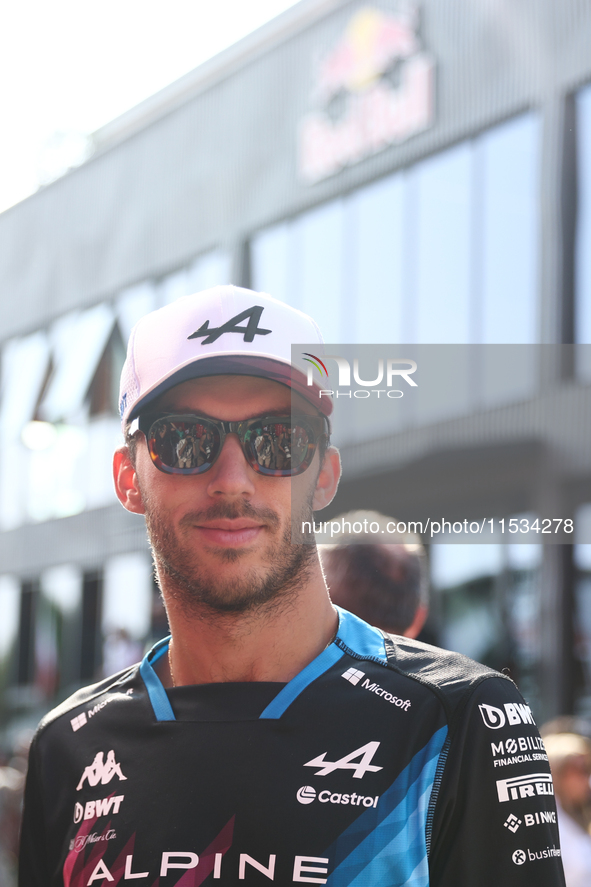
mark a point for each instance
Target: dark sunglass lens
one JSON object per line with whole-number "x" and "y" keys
{"x": 206, "y": 444}
{"x": 262, "y": 441}
{"x": 278, "y": 446}
{"x": 163, "y": 443}
{"x": 184, "y": 445}
{"x": 300, "y": 442}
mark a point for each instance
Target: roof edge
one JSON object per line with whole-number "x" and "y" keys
{"x": 211, "y": 71}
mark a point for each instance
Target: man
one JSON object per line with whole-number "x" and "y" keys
{"x": 383, "y": 583}
{"x": 271, "y": 738}
{"x": 570, "y": 759}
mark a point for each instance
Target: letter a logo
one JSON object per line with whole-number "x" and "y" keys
{"x": 249, "y": 331}
{"x": 366, "y": 753}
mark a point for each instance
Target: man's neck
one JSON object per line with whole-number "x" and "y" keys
{"x": 273, "y": 643}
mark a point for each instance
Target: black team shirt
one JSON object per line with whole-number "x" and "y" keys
{"x": 384, "y": 763}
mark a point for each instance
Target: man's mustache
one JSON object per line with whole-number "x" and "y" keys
{"x": 231, "y": 511}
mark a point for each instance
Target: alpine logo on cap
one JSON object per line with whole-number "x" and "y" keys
{"x": 231, "y": 326}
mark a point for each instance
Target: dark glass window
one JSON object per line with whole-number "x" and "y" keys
{"x": 444, "y": 251}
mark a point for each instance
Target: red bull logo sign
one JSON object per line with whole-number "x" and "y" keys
{"x": 373, "y": 90}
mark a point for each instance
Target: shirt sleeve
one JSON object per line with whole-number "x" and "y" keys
{"x": 495, "y": 816}
{"x": 33, "y": 871}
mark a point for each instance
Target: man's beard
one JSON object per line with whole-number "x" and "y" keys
{"x": 253, "y": 591}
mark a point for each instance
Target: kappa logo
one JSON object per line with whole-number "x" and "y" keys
{"x": 349, "y": 762}
{"x": 249, "y": 331}
{"x": 101, "y": 771}
{"x": 514, "y": 713}
{"x": 527, "y": 786}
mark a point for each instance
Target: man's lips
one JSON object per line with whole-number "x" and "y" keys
{"x": 226, "y": 532}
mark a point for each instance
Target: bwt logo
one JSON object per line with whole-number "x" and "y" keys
{"x": 391, "y": 370}
{"x": 99, "y": 808}
{"x": 515, "y": 713}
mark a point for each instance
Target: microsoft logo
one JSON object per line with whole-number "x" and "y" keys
{"x": 78, "y": 721}
{"x": 353, "y": 675}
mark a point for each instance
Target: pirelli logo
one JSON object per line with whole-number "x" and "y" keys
{"x": 527, "y": 786}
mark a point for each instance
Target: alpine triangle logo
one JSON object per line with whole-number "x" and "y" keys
{"x": 359, "y": 761}
{"x": 248, "y": 332}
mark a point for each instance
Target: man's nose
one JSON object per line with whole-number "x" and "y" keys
{"x": 231, "y": 475}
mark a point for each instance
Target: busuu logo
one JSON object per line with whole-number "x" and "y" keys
{"x": 519, "y": 857}
{"x": 101, "y": 771}
{"x": 358, "y": 760}
{"x": 515, "y": 713}
{"x": 528, "y": 786}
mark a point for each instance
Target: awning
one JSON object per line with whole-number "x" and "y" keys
{"x": 24, "y": 365}
{"x": 78, "y": 341}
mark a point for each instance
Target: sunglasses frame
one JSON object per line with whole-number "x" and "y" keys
{"x": 315, "y": 426}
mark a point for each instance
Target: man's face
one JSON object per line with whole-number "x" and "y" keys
{"x": 223, "y": 538}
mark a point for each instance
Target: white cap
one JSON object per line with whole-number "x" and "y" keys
{"x": 223, "y": 330}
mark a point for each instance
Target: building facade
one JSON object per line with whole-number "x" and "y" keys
{"x": 406, "y": 173}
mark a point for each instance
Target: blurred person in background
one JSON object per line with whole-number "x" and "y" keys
{"x": 569, "y": 755}
{"x": 571, "y": 724}
{"x": 120, "y": 651}
{"x": 384, "y": 583}
{"x": 11, "y": 793}
{"x": 12, "y": 784}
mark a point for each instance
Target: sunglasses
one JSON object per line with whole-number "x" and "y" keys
{"x": 277, "y": 446}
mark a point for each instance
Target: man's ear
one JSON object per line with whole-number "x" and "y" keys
{"x": 328, "y": 479}
{"x": 126, "y": 485}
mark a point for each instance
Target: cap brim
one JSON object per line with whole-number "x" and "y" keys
{"x": 238, "y": 365}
